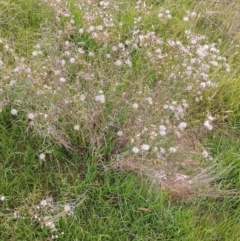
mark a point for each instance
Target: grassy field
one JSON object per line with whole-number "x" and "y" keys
{"x": 119, "y": 120}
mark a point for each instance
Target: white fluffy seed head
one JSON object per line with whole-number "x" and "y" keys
{"x": 76, "y": 127}
{"x": 135, "y": 106}
{"x": 211, "y": 118}
{"x": 145, "y": 147}
{"x": 162, "y": 150}
{"x": 149, "y": 100}
{"x": 82, "y": 97}
{"x": 67, "y": 208}
{"x": 172, "y": 149}
{"x": 208, "y": 125}
{"x": 120, "y": 133}
{"x": 42, "y": 156}
{"x": 81, "y": 30}
{"x": 100, "y": 98}
{"x": 30, "y": 116}
{"x": 162, "y": 128}
{"x": 205, "y": 154}
{"x": 44, "y": 203}
{"x": 72, "y": 60}
{"x": 118, "y": 62}
{"x": 135, "y": 150}
{"x": 35, "y": 53}
{"x": 62, "y": 79}
{"x": 182, "y": 125}
{"x": 165, "y": 107}
{"x": 14, "y": 112}
{"x": 163, "y": 133}
{"x": 2, "y": 198}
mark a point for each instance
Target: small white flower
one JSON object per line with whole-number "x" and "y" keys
{"x": 16, "y": 215}
{"x": 2, "y": 198}
{"x": 118, "y": 62}
{"x": 42, "y": 156}
{"x": 100, "y": 98}
{"x": 172, "y": 149}
{"x": 162, "y": 150}
{"x": 67, "y": 53}
{"x": 128, "y": 62}
{"x": 185, "y": 19}
{"x": 63, "y": 62}
{"x": 135, "y": 106}
{"x": 81, "y": 30}
{"x": 121, "y": 45}
{"x": 189, "y": 88}
{"x": 62, "y": 79}
{"x": 169, "y": 16}
{"x": 208, "y": 125}
{"x": 155, "y": 149}
{"x": 120, "y": 133}
{"x": 99, "y": 27}
{"x": 211, "y": 118}
{"x": 30, "y": 116}
{"x": 44, "y": 203}
{"x": 193, "y": 14}
{"x": 57, "y": 72}
{"x": 67, "y": 43}
{"x": 35, "y": 53}
{"x": 67, "y": 208}
{"x": 165, "y": 107}
{"x": 163, "y": 133}
{"x": 80, "y": 50}
{"x": 203, "y": 85}
{"x": 51, "y": 225}
{"x": 14, "y": 112}
{"x": 114, "y": 48}
{"x": 72, "y": 60}
{"x": 205, "y": 154}
{"x": 135, "y": 150}
{"x": 91, "y": 29}
{"x": 182, "y": 125}
{"x": 12, "y": 82}
{"x": 76, "y": 127}
{"x": 82, "y": 97}
{"x": 214, "y": 63}
{"x": 91, "y": 54}
{"x": 149, "y": 100}
{"x": 162, "y": 128}
{"x": 145, "y": 147}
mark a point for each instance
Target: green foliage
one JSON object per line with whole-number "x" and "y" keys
{"x": 22, "y": 22}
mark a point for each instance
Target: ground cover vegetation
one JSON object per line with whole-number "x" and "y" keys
{"x": 119, "y": 120}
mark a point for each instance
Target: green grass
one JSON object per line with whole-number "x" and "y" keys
{"x": 108, "y": 205}
{"x": 74, "y": 192}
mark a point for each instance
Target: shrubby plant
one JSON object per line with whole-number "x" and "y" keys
{"x": 128, "y": 84}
